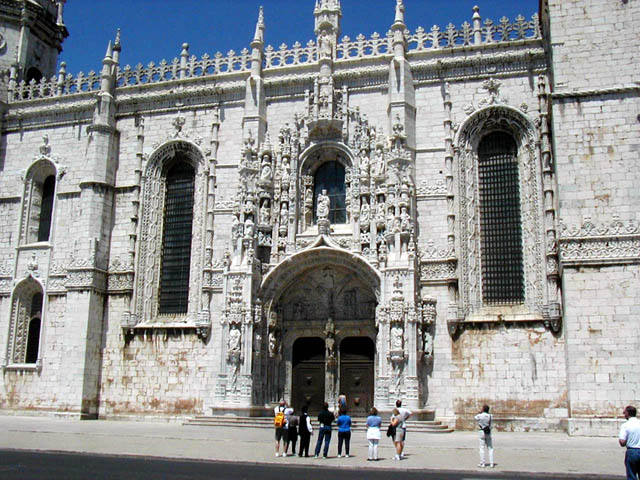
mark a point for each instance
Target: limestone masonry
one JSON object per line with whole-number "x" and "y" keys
{"x": 448, "y": 216}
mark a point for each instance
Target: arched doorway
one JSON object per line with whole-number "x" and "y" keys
{"x": 308, "y": 375}
{"x": 357, "y": 356}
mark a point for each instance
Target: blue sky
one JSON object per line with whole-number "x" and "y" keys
{"x": 155, "y": 29}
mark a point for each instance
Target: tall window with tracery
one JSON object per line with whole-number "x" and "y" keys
{"x": 500, "y": 220}
{"x": 26, "y": 322}
{"x": 330, "y": 176}
{"x": 176, "y": 239}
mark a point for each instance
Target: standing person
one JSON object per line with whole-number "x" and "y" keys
{"x": 325, "y": 419}
{"x": 293, "y": 430}
{"x": 398, "y": 436}
{"x": 285, "y": 434}
{"x": 373, "y": 433}
{"x": 306, "y": 430}
{"x": 344, "y": 432}
{"x": 279, "y": 422}
{"x": 630, "y": 437}
{"x": 484, "y": 426}
{"x": 401, "y": 430}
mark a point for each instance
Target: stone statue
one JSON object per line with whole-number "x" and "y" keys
{"x": 265, "y": 213}
{"x": 323, "y": 205}
{"x": 405, "y": 220}
{"x": 273, "y": 344}
{"x": 284, "y": 214}
{"x": 265, "y": 174}
{"x": 365, "y": 213}
{"x": 364, "y": 164}
{"x": 396, "y": 338}
{"x": 249, "y": 228}
{"x": 330, "y": 333}
{"x": 324, "y": 45}
{"x": 427, "y": 343}
{"x": 234, "y": 340}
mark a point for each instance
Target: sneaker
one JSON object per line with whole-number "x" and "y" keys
{"x": 277, "y": 454}
{"x": 402, "y": 455}
{"x": 347, "y": 455}
{"x": 481, "y": 465}
{"x": 397, "y": 457}
{"x": 316, "y": 456}
{"x": 339, "y": 455}
{"x": 491, "y": 465}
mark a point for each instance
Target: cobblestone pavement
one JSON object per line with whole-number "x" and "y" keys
{"x": 514, "y": 452}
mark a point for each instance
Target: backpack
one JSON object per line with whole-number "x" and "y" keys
{"x": 279, "y": 420}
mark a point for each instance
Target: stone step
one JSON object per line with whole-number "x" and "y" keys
{"x": 357, "y": 424}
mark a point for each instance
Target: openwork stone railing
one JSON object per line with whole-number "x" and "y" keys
{"x": 475, "y": 33}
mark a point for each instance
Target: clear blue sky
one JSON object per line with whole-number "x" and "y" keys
{"x": 155, "y": 29}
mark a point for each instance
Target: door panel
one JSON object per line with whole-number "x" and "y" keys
{"x": 308, "y": 386}
{"x": 356, "y": 382}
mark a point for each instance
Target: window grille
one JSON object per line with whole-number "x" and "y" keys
{"x": 176, "y": 240}
{"x": 500, "y": 225}
{"x": 330, "y": 177}
{"x": 46, "y": 209}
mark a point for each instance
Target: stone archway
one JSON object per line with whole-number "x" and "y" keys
{"x": 326, "y": 293}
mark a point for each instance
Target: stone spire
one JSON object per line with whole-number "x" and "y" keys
{"x": 105, "y": 75}
{"x": 255, "y": 111}
{"x": 117, "y": 48}
{"x": 398, "y": 28}
{"x": 257, "y": 46}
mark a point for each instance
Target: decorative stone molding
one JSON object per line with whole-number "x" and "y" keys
{"x": 604, "y": 244}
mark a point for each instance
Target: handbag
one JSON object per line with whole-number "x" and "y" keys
{"x": 487, "y": 429}
{"x": 391, "y": 431}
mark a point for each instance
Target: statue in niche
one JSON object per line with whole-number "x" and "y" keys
{"x": 405, "y": 220}
{"x": 380, "y": 212}
{"x": 284, "y": 215}
{"x": 324, "y": 45}
{"x": 364, "y": 164}
{"x": 249, "y": 228}
{"x": 273, "y": 344}
{"x": 265, "y": 173}
{"x": 234, "y": 340}
{"x": 308, "y": 197}
{"x": 379, "y": 162}
{"x": 265, "y": 213}
{"x": 397, "y": 334}
{"x": 286, "y": 175}
{"x": 236, "y": 228}
{"x": 427, "y": 343}
{"x": 323, "y": 205}
{"x": 365, "y": 213}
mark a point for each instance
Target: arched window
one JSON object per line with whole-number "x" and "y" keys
{"x": 39, "y": 194}
{"x": 176, "y": 239}
{"x": 26, "y": 322}
{"x": 46, "y": 208}
{"x": 500, "y": 222}
{"x": 33, "y": 335}
{"x": 330, "y": 176}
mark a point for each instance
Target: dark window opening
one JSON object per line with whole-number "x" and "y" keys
{"x": 330, "y": 177}
{"x": 500, "y": 225}
{"x": 46, "y": 209}
{"x": 308, "y": 349}
{"x": 33, "y": 334}
{"x": 176, "y": 240}
{"x": 33, "y": 74}
{"x": 264, "y": 254}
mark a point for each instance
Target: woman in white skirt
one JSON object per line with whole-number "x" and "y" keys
{"x": 373, "y": 433}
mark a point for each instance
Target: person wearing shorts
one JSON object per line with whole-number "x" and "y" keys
{"x": 280, "y": 431}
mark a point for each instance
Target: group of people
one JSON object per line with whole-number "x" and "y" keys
{"x": 289, "y": 426}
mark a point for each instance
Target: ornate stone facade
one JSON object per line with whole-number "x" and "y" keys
{"x": 336, "y": 236}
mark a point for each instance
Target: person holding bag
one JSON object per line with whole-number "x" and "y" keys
{"x": 484, "y": 425}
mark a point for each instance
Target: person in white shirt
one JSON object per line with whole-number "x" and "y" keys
{"x": 630, "y": 437}
{"x": 401, "y": 429}
{"x": 484, "y": 426}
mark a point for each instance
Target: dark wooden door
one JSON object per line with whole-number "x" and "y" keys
{"x": 357, "y": 355}
{"x": 308, "y": 376}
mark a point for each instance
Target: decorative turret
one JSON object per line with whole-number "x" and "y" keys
{"x": 255, "y": 105}
{"x": 398, "y": 28}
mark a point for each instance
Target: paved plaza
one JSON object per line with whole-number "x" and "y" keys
{"x": 514, "y": 452}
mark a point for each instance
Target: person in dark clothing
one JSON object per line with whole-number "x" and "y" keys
{"x": 325, "y": 419}
{"x": 304, "y": 430}
{"x": 293, "y": 431}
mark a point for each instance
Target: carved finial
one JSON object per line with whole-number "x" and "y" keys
{"x": 109, "y": 53}
{"x": 399, "y": 12}
{"x": 116, "y": 43}
{"x": 476, "y": 12}
{"x": 259, "y": 35}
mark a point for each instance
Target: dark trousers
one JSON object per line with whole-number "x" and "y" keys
{"x": 346, "y": 438}
{"x": 293, "y": 438}
{"x": 632, "y": 463}
{"x": 304, "y": 443}
{"x": 323, "y": 432}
